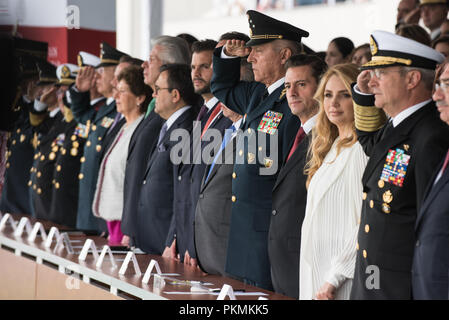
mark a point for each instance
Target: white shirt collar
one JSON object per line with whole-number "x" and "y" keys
{"x": 275, "y": 85}
{"x": 94, "y": 101}
{"x": 308, "y": 126}
{"x": 175, "y": 116}
{"x": 109, "y": 100}
{"x": 407, "y": 112}
{"x": 238, "y": 123}
{"x": 54, "y": 112}
{"x": 211, "y": 103}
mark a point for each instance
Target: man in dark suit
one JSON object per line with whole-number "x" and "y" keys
{"x": 99, "y": 124}
{"x": 289, "y": 193}
{"x": 263, "y": 146}
{"x": 431, "y": 258}
{"x": 165, "y": 50}
{"x": 213, "y": 209}
{"x": 187, "y": 184}
{"x": 174, "y": 96}
{"x": 403, "y": 154}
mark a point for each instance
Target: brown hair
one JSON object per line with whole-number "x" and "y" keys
{"x": 133, "y": 77}
{"x": 414, "y": 32}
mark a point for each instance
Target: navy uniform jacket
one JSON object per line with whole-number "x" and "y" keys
{"x": 186, "y": 189}
{"x": 252, "y": 190}
{"x": 15, "y": 195}
{"x": 142, "y": 142}
{"x": 155, "y": 205}
{"x": 70, "y": 147}
{"x": 289, "y": 206}
{"x": 430, "y": 270}
{"x": 45, "y": 158}
{"x": 98, "y": 123}
{"x": 400, "y": 167}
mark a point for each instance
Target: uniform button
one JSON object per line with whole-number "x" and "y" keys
{"x": 179, "y": 178}
{"x": 234, "y": 175}
{"x": 94, "y": 127}
{"x": 7, "y": 165}
{"x": 57, "y": 185}
{"x": 14, "y": 142}
{"x": 201, "y": 196}
{"x": 18, "y": 130}
{"x": 81, "y": 176}
{"x": 34, "y": 187}
{"x": 39, "y": 190}
{"x": 144, "y": 182}
{"x": 381, "y": 183}
{"x": 99, "y": 138}
{"x": 82, "y": 159}
{"x": 274, "y": 212}
{"x": 58, "y": 168}
{"x": 38, "y": 174}
{"x": 364, "y": 196}
{"x": 42, "y": 157}
{"x": 233, "y": 198}
{"x": 98, "y": 148}
{"x": 366, "y": 228}
{"x": 417, "y": 243}
{"x": 365, "y": 254}
{"x": 88, "y": 143}
{"x": 73, "y": 137}
{"x": 30, "y": 183}
{"x": 371, "y": 204}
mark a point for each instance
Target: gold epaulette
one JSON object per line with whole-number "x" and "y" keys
{"x": 68, "y": 114}
{"x": 37, "y": 119}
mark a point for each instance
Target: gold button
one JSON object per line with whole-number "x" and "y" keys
{"x": 22, "y": 138}
{"x": 241, "y": 153}
{"x": 57, "y": 185}
{"x": 381, "y": 183}
{"x": 74, "y": 152}
{"x": 357, "y": 246}
{"x": 30, "y": 183}
{"x": 365, "y": 254}
{"x": 371, "y": 204}
{"x": 75, "y": 144}
{"x": 34, "y": 187}
{"x": 233, "y": 198}
{"x": 82, "y": 159}
{"x": 73, "y": 137}
{"x": 63, "y": 151}
{"x": 39, "y": 190}
{"x": 58, "y": 167}
{"x": 18, "y": 130}
{"x": 98, "y": 148}
{"x": 14, "y": 142}
{"x": 99, "y": 138}
{"x": 88, "y": 143}
{"x": 55, "y": 149}
{"x": 386, "y": 208}
{"x": 234, "y": 175}
{"x": 366, "y": 228}
{"x": 81, "y": 176}
{"x": 52, "y": 156}
{"x": 7, "y": 165}
{"x": 364, "y": 196}
{"x": 94, "y": 127}
{"x": 39, "y": 174}
{"x": 42, "y": 157}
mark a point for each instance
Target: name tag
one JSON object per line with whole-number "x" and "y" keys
{"x": 270, "y": 122}
{"x": 395, "y": 167}
{"x": 107, "y": 122}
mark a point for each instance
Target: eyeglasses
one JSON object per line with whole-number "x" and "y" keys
{"x": 443, "y": 86}
{"x": 380, "y": 72}
{"x": 157, "y": 89}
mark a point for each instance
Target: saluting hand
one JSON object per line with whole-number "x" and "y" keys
{"x": 84, "y": 79}
{"x": 236, "y": 48}
{"x": 362, "y": 82}
{"x": 49, "y": 97}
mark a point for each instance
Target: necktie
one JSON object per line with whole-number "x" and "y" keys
{"x": 202, "y": 112}
{"x": 387, "y": 129}
{"x": 226, "y": 138}
{"x": 299, "y": 136}
{"x": 117, "y": 118}
{"x": 162, "y": 133}
{"x": 211, "y": 118}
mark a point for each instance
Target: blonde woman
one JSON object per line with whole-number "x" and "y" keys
{"x": 334, "y": 197}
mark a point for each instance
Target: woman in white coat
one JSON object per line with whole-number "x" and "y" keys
{"x": 334, "y": 198}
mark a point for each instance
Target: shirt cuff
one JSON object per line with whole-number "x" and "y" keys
{"x": 224, "y": 55}
{"x": 69, "y": 98}
{"x": 357, "y": 90}
{"x": 39, "y": 106}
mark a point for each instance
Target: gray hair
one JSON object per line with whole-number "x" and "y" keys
{"x": 294, "y": 46}
{"x": 175, "y": 50}
{"x": 427, "y": 75}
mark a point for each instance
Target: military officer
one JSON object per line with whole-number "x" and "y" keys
{"x": 403, "y": 154}
{"x": 19, "y": 155}
{"x": 68, "y": 147}
{"x": 263, "y": 146}
{"x": 98, "y": 124}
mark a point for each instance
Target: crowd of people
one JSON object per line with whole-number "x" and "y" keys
{"x": 318, "y": 175}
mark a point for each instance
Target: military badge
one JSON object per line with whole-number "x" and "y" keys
{"x": 270, "y": 121}
{"x": 106, "y": 122}
{"x": 59, "y": 141}
{"x": 251, "y": 157}
{"x": 395, "y": 167}
{"x": 387, "y": 197}
{"x": 283, "y": 93}
{"x": 268, "y": 162}
{"x": 81, "y": 131}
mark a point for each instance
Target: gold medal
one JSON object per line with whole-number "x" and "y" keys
{"x": 74, "y": 152}
{"x": 387, "y": 196}
{"x": 386, "y": 208}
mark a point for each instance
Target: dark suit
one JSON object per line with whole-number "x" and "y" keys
{"x": 431, "y": 259}
{"x": 259, "y": 157}
{"x": 289, "y": 206}
{"x": 213, "y": 213}
{"x": 155, "y": 205}
{"x": 98, "y": 123}
{"x": 386, "y": 238}
{"x": 141, "y": 145}
{"x": 15, "y": 195}
{"x": 187, "y": 186}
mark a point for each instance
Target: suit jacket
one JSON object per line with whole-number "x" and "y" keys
{"x": 155, "y": 206}
{"x": 398, "y": 171}
{"x": 284, "y": 236}
{"x": 431, "y": 259}
{"x": 98, "y": 123}
{"x": 187, "y": 186}
{"x": 260, "y": 154}
{"x": 140, "y": 147}
{"x": 20, "y": 151}
{"x": 213, "y": 213}
{"x": 64, "y": 203}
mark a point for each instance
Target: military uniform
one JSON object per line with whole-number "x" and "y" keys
{"x": 263, "y": 146}
{"x": 402, "y": 159}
